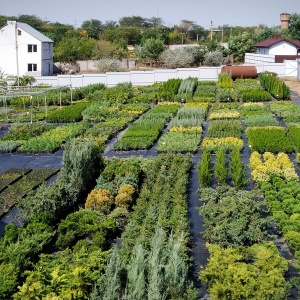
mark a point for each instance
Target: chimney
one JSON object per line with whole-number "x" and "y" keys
{"x": 285, "y": 19}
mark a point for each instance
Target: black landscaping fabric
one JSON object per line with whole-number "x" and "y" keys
{"x": 198, "y": 249}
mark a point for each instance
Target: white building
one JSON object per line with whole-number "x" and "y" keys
{"x": 279, "y": 47}
{"x": 25, "y": 51}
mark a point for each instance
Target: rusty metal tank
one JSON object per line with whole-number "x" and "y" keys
{"x": 240, "y": 71}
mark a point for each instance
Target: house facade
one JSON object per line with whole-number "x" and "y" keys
{"x": 280, "y": 47}
{"x": 25, "y": 51}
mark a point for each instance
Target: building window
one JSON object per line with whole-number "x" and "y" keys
{"x": 19, "y": 32}
{"x": 32, "y": 48}
{"x": 32, "y": 67}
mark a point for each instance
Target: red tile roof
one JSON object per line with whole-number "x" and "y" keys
{"x": 274, "y": 40}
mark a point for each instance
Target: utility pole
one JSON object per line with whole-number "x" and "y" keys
{"x": 17, "y": 54}
{"x": 222, "y": 34}
{"x": 211, "y": 29}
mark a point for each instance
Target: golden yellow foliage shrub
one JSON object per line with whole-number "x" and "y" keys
{"x": 125, "y": 195}
{"x": 101, "y": 200}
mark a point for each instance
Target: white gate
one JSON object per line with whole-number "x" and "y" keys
{"x": 291, "y": 68}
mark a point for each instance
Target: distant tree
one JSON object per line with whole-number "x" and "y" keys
{"x": 197, "y": 32}
{"x": 152, "y": 49}
{"x": 265, "y": 33}
{"x": 137, "y": 21}
{"x": 31, "y": 20}
{"x": 93, "y": 28}
{"x": 56, "y": 31}
{"x": 241, "y": 44}
{"x": 177, "y": 38}
{"x": 294, "y": 26}
{"x": 159, "y": 32}
{"x": 154, "y": 22}
{"x": 104, "y": 49}
{"x": 4, "y": 19}
{"x": 110, "y": 24}
{"x": 130, "y": 34}
{"x": 75, "y": 48}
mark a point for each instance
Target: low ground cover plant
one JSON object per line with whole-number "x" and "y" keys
{"x": 261, "y": 120}
{"x": 13, "y": 193}
{"x": 11, "y": 175}
{"x": 53, "y": 139}
{"x": 68, "y": 114}
{"x": 287, "y": 110}
{"x": 229, "y": 143}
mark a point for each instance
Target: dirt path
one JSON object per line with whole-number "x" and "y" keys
{"x": 292, "y": 83}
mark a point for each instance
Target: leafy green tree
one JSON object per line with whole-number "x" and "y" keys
{"x": 134, "y": 21}
{"x": 70, "y": 49}
{"x": 104, "y": 49}
{"x": 255, "y": 272}
{"x": 155, "y": 22}
{"x": 152, "y": 49}
{"x": 265, "y": 33}
{"x": 93, "y": 28}
{"x": 32, "y": 21}
{"x": 241, "y": 44}
{"x": 294, "y": 26}
{"x": 57, "y": 31}
{"x": 130, "y": 35}
{"x": 160, "y": 32}
{"x": 110, "y": 24}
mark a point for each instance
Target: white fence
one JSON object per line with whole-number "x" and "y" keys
{"x": 143, "y": 78}
{"x": 254, "y": 58}
{"x": 137, "y": 78}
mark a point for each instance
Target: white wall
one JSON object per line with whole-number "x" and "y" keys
{"x": 143, "y": 78}
{"x": 137, "y": 78}
{"x": 283, "y": 48}
{"x": 255, "y": 58}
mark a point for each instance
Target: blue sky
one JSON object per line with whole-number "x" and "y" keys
{"x": 221, "y": 12}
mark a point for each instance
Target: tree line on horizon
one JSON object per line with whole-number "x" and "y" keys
{"x": 96, "y": 39}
